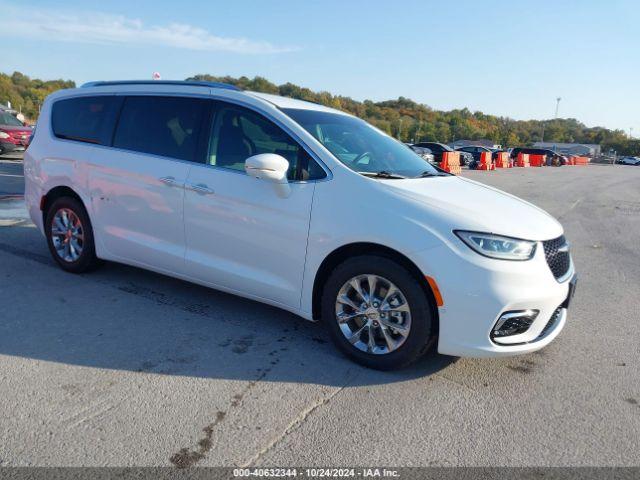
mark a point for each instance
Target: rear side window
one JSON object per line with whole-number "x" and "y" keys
{"x": 166, "y": 126}
{"x": 85, "y": 119}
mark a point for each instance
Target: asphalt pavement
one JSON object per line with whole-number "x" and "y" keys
{"x": 124, "y": 367}
{"x": 11, "y": 175}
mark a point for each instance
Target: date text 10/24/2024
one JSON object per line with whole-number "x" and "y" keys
{"x": 316, "y": 472}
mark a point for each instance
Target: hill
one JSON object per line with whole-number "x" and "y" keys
{"x": 26, "y": 94}
{"x": 403, "y": 118}
{"x": 412, "y": 122}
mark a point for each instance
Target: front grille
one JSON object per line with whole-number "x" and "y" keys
{"x": 556, "y": 252}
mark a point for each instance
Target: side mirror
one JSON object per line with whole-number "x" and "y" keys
{"x": 272, "y": 168}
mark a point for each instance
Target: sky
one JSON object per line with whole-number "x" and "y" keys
{"x": 510, "y": 58}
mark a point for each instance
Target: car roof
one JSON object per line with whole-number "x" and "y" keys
{"x": 196, "y": 83}
{"x": 203, "y": 87}
{"x": 287, "y": 102}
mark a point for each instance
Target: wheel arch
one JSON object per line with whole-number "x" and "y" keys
{"x": 344, "y": 252}
{"x": 57, "y": 192}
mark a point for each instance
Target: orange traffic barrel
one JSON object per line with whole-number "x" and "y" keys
{"x": 537, "y": 160}
{"x": 486, "y": 162}
{"x": 522, "y": 160}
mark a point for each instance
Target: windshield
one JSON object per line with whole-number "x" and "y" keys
{"x": 8, "y": 119}
{"x": 360, "y": 146}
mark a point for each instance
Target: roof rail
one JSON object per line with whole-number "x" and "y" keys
{"x": 195, "y": 83}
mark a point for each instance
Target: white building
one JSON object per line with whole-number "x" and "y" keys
{"x": 475, "y": 143}
{"x": 583, "y": 149}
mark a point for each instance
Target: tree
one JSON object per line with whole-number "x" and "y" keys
{"x": 26, "y": 94}
{"x": 403, "y": 118}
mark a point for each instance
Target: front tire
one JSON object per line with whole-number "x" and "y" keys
{"x": 377, "y": 313}
{"x": 70, "y": 235}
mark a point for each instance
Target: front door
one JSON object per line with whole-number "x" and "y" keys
{"x": 240, "y": 234}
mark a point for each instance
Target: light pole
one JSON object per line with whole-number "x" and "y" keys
{"x": 630, "y": 131}
{"x": 544, "y": 123}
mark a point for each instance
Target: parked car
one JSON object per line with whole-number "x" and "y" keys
{"x": 439, "y": 148}
{"x": 14, "y": 135}
{"x": 466, "y": 158}
{"x": 424, "y": 153}
{"x": 436, "y": 148}
{"x": 553, "y": 158}
{"x": 475, "y": 152}
{"x": 628, "y": 161}
{"x": 213, "y": 185}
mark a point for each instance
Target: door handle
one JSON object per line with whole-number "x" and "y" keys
{"x": 170, "y": 181}
{"x": 200, "y": 188}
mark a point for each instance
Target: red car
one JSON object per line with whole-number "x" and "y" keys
{"x": 14, "y": 135}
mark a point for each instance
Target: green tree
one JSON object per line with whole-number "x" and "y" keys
{"x": 403, "y": 118}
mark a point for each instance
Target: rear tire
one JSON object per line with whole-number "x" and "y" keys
{"x": 70, "y": 236}
{"x": 402, "y": 324}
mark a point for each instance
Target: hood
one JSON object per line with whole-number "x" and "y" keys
{"x": 463, "y": 204}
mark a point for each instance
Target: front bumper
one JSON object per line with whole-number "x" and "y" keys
{"x": 477, "y": 291}
{"x": 7, "y": 147}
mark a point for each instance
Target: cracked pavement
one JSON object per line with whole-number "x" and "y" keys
{"x": 124, "y": 367}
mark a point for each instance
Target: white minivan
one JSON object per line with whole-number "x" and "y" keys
{"x": 299, "y": 206}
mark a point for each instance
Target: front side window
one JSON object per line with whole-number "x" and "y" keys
{"x": 85, "y": 119}
{"x": 166, "y": 126}
{"x": 238, "y": 133}
{"x": 360, "y": 146}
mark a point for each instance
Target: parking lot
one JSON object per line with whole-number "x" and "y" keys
{"x": 11, "y": 178}
{"x": 125, "y": 367}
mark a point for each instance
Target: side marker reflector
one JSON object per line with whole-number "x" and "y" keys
{"x": 436, "y": 291}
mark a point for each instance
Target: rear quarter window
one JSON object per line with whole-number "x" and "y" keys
{"x": 85, "y": 119}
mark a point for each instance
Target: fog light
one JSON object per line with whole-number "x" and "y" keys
{"x": 513, "y": 323}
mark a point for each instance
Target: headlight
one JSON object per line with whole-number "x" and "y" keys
{"x": 4, "y": 135}
{"x": 496, "y": 246}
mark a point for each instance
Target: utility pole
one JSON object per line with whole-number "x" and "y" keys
{"x": 544, "y": 123}
{"x": 630, "y": 131}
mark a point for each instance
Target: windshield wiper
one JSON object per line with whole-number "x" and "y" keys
{"x": 382, "y": 174}
{"x": 427, "y": 173}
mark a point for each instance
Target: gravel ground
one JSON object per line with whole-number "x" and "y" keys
{"x": 125, "y": 367}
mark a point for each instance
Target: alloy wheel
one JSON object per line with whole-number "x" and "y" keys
{"x": 373, "y": 314}
{"x": 67, "y": 235}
